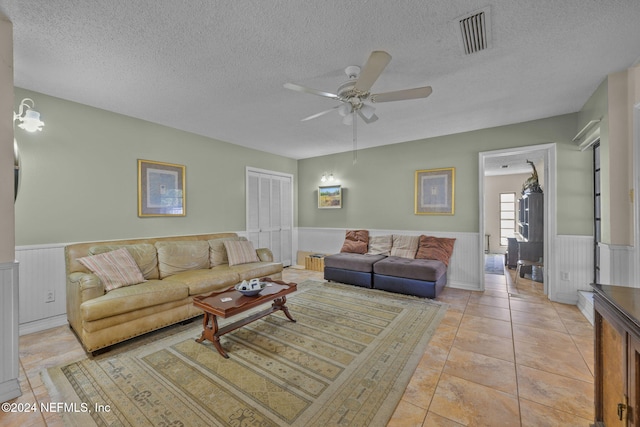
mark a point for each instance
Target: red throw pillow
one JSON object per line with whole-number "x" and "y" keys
{"x": 356, "y": 242}
{"x": 438, "y": 248}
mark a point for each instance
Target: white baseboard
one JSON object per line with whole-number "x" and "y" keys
{"x": 43, "y": 324}
{"x": 10, "y": 389}
{"x": 585, "y": 304}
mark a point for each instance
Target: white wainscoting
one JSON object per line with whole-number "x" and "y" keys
{"x": 463, "y": 270}
{"x": 623, "y": 266}
{"x": 574, "y": 265}
{"x": 9, "y": 364}
{"x": 41, "y": 271}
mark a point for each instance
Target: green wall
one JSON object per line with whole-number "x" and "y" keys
{"x": 379, "y": 188}
{"x": 79, "y": 176}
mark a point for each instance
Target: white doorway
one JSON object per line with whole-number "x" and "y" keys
{"x": 491, "y": 160}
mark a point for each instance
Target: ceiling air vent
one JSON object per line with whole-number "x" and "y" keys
{"x": 475, "y": 31}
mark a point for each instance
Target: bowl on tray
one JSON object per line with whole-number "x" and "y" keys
{"x": 250, "y": 289}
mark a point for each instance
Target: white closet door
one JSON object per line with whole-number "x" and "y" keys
{"x": 270, "y": 212}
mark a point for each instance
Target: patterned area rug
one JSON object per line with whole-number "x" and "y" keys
{"x": 346, "y": 361}
{"x": 494, "y": 264}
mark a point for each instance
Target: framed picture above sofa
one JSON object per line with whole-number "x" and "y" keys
{"x": 435, "y": 191}
{"x": 161, "y": 189}
{"x": 330, "y": 197}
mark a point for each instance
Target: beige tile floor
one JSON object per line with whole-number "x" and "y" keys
{"x": 505, "y": 356}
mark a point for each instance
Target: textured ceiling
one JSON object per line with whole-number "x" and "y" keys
{"x": 216, "y": 68}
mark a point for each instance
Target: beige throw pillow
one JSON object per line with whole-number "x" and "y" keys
{"x": 144, "y": 254}
{"x": 217, "y": 251}
{"x": 380, "y": 245}
{"x": 240, "y": 252}
{"x": 405, "y": 246}
{"x": 115, "y": 269}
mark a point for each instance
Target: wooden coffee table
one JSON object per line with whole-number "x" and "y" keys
{"x": 235, "y": 303}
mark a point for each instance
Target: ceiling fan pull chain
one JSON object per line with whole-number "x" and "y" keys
{"x": 355, "y": 138}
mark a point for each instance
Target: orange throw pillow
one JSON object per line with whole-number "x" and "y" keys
{"x": 356, "y": 242}
{"x": 438, "y": 248}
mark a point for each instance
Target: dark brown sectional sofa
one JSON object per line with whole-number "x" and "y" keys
{"x": 417, "y": 266}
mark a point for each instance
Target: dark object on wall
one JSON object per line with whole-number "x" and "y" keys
{"x": 16, "y": 169}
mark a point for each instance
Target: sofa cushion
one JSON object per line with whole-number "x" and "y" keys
{"x": 124, "y": 300}
{"x": 355, "y": 262}
{"x": 217, "y": 251}
{"x": 405, "y": 246}
{"x": 115, "y": 268}
{"x": 356, "y": 242}
{"x": 144, "y": 254}
{"x": 438, "y": 248}
{"x": 240, "y": 252}
{"x": 419, "y": 269}
{"x": 257, "y": 269}
{"x": 179, "y": 256}
{"x": 380, "y": 245}
{"x": 203, "y": 281}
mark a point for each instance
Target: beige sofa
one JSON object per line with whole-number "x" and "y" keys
{"x": 175, "y": 270}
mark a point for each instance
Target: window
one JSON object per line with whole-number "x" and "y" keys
{"x": 507, "y": 217}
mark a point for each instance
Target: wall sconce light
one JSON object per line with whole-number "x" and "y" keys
{"x": 28, "y": 117}
{"x": 326, "y": 178}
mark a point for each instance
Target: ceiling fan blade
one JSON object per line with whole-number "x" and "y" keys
{"x": 304, "y": 89}
{"x": 399, "y": 95}
{"x": 372, "y": 119}
{"x": 376, "y": 63}
{"x": 321, "y": 113}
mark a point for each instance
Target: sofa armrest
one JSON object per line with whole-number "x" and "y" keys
{"x": 81, "y": 287}
{"x": 265, "y": 254}
{"x": 87, "y": 285}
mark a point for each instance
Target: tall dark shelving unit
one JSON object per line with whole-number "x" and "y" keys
{"x": 528, "y": 243}
{"x": 531, "y": 217}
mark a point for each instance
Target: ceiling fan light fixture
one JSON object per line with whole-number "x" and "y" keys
{"x": 344, "y": 109}
{"x": 348, "y": 119}
{"x": 352, "y": 71}
{"x": 367, "y": 111}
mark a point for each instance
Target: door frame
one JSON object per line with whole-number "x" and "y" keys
{"x": 549, "y": 197}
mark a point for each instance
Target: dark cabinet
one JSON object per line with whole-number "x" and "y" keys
{"x": 528, "y": 243}
{"x": 531, "y": 217}
{"x": 617, "y": 355}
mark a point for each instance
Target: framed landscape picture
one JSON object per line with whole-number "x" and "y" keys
{"x": 161, "y": 189}
{"x": 330, "y": 197}
{"x": 434, "y": 191}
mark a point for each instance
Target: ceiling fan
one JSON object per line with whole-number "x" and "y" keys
{"x": 354, "y": 92}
